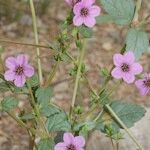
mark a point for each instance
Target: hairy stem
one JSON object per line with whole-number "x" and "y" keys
{"x": 123, "y": 126}
{"x": 37, "y": 112}
{"x": 36, "y": 41}
{"x": 21, "y": 123}
{"x": 77, "y": 78}
{"x": 137, "y": 9}
{"x": 52, "y": 74}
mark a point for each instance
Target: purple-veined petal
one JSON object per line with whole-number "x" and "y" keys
{"x": 89, "y": 21}
{"x": 77, "y": 20}
{"x": 79, "y": 141}
{"x": 129, "y": 57}
{"x": 118, "y": 59}
{"x": 19, "y": 80}
{"x": 68, "y": 138}
{"x": 137, "y": 68}
{"x": 77, "y": 8}
{"x": 128, "y": 77}
{"x": 22, "y": 59}
{"x": 60, "y": 146}
{"x": 9, "y": 75}
{"x": 10, "y": 63}
{"x": 95, "y": 11}
{"x": 28, "y": 70}
{"x": 144, "y": 91}
{"x": 117, "y": 73}
{"x": 88, "y": 2}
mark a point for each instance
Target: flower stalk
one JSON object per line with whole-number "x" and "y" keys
{"x": 36, "y": 42}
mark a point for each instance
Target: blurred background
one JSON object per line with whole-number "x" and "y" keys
{"x": 16, "y": 25}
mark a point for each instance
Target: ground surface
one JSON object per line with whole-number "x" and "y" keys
{"x": 107, "y": 40}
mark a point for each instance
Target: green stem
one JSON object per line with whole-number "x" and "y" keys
{"x": 82, "y": 52}
{"x": 37, "y": 112}
{"x": 123, "y": 126}
{"x": 36, "y": 41}
{"x": 21, "y": 123}
{"x": 136, "y": 15}
{"x": 52, "y": 74}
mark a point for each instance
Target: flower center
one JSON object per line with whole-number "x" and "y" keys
{"x": 19, "y": 70}
{"x": 84, "y": 12}
{"x": 147, "y": 83}
{"x": 125, "y": 67}
{"x": 71, "y": 147}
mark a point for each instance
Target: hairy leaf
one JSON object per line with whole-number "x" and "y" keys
{"x": 137, "y": 41}
{"x": 46, "y": 144}
{"x": 58, "y": 122}
{"x": 9, "y": 103}
{"x": 121, "y": 11}
{"x": 43, "y": 95}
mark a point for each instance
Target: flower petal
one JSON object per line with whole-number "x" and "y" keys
{"x": 79, "y": 141}
{"x": 88, "y": 2}
{"x": 143, "y": 90}
{"x": 19, "y": 81}
{"x": 10, "y": 63}
{"x": 77, "y": 8}
{"x": 60, "y": 146}
{"x": 9, "y": 75}
{"x": 28, "y": 70}
{"x": 116, "y": 73}
{"x": 89, "y": 21}
{"x": 118, "y": 59}
{"x": 128, "y": 77}
{"x": 22, "y": 59}
{"x": 77, "y": 20}
{"x": 68, "y": 138}
{"x": 137, "y": 68}
{"x": 95, "y": 11}
{"x": 129, "y": 56}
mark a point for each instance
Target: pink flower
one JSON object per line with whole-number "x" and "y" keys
{"x": 71, "y": 143}
{"x": 144, "y": 84}
{"x": 126, "y": 67}
{"x": 72, "y": 2}
{"x": 18, "y": 70}
{"x": 85, "y": 13}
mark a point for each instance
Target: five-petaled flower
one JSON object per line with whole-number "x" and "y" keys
{"x": 71, "y": 143}
{"x": 18, "y": 70}
{"x": 144, "y": 84}
{"x": 126, "y": 67}
{"x": 85, "y": 13}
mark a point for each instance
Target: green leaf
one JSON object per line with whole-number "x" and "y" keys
{"x": 137, "y": 41}
{"x": 34, "y": 80}
{"x": 85, "y": 32}
{"x": 121, "y": 11}
{"x": 128, "y": 113}
{"x": 43, "y": 95}
{"x": 27, "y": 117}
{"x": 104, "y": 19}
{"x": 49, "y": 110}
{"x": 9, "y": 103}
{"x": 46, "y": 144}
{"x": 4, "y": 87}
{"x": 58, "y": 122}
